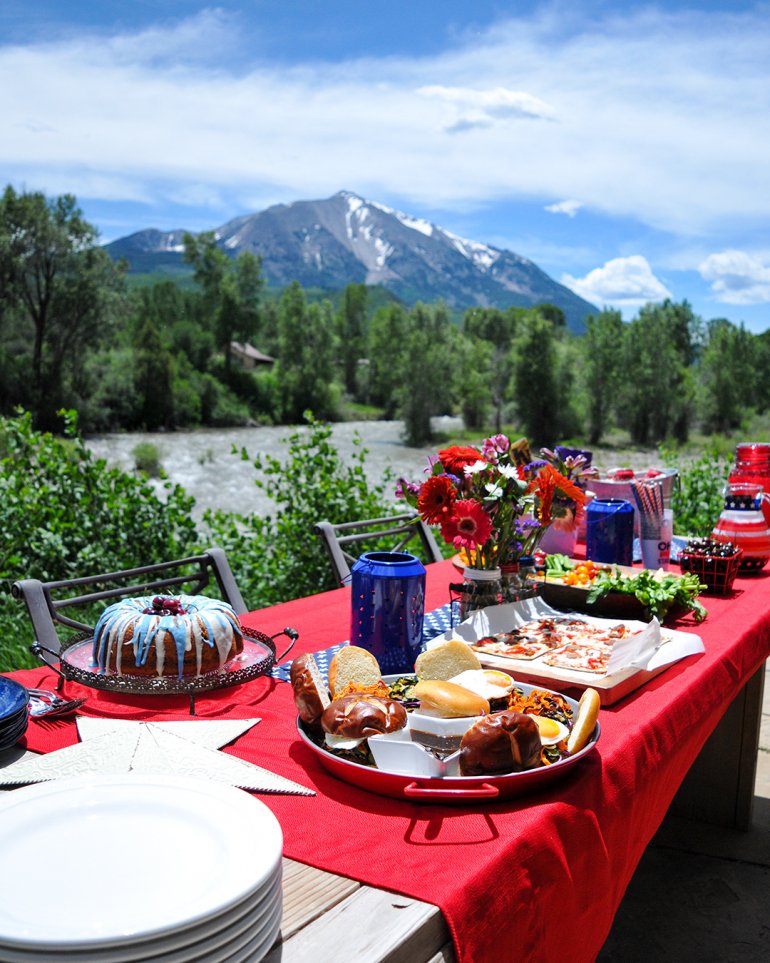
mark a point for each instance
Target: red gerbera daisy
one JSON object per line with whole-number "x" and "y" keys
{"x": 468, "y": 526}
{"x": 436, "y": 498}
{"x": 455, "y": 459}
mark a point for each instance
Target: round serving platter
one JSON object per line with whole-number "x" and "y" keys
{"x": 257, "y": 658}
{"x": 449, "y": 789}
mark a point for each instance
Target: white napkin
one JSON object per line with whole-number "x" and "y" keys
{"x": 113, "y": 747}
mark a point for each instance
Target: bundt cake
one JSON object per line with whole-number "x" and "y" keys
{"x": 183, "y": 635}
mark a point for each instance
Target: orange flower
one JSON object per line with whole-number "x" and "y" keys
{"x": 436, "y": 498}
{"x": 546, "y": 483}
{"x": 455, "y": 459}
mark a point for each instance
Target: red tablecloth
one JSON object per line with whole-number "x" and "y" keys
{"x": 528, "y": 879}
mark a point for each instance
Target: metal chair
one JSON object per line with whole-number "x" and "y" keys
{"x": 46, "y": 610}
{"x": 402, "y": 528}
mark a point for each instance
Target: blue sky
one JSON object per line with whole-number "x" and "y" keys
{"x": 624, "y": 148}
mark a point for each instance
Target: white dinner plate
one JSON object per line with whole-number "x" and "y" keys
{"x": 252, "y": 917}
{"x": 145, "y": 856}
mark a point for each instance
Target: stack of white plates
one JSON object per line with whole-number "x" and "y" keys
{"x": 137, "y": 867}
{"x": 14, "y": 717}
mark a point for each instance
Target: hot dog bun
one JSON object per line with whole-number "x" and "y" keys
{"x": 449, "y": 700}
{"x": 501, "y": 742}
{"x": 310, "y": 694}
{"x": 360, "y": 716}
{"x": 352, "y": 664}
{"x": 585, "y": 721}
{"x": 446, "y": 660}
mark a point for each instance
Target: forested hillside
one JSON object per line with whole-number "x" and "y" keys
{"x": 159, "y": 356}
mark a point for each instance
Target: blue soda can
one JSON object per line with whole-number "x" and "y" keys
{"x": 610, "y": 531}
{"x": 388, "y": 607}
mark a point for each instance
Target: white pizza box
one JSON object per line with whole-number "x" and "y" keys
{"x": 635, "y": 659}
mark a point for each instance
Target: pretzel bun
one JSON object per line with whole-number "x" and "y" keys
{"x": 360, "y": 716}
{"x": 310, "y": 694}
{"x": 449, "y": 700}
{"x": 353, "y": 664}
{"x": 585, "y": 721}
{"x": 501, "y": 742}
{"x": 445, "y": 660}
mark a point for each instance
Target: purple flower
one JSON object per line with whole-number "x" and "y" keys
{"x": 404, "y": 488}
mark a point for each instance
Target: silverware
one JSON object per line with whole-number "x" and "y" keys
{"x": 43, "y": 702}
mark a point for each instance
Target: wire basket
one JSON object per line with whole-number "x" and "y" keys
{"x": 717, "y": 572}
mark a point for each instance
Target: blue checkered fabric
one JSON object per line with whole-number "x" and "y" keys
{"x": 434, "y": 623}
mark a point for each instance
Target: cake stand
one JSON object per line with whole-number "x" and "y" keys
{"x": 257, "y": 658}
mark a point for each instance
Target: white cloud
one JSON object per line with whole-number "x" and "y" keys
{"x": 645, "y": 122}
{"x": 570, "y": 208}
{"x": 737, "y": 277}
{"x": 623, "y": 282}
{"x": 471, "y": 108}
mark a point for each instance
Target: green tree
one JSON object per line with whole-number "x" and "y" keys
{"x": 656, "y": 398}
{"x": 153, "y": 379}
{"x": 727, "y": 376}
{"x": 231, "y": 290}
{"x": 386, "y": 350}
{"x": 58, "y": 284}
{"x": 602, "y": 368}
{"x": 536, "y": 378}
{"x": 305, "y": 366}
{"x": 352, "y": 334}
{"x": 428, "y": 361}
{"x": 497, "y": 328}
{"x": 473, "y": 381}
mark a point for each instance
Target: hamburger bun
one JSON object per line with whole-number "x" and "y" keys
{"x": 310, "y": 693}
{"x": 585, "y": 721}
{"x": 446, "y": 660}
{"x": 352, "y": 664}
{"x": 361, "y": 716}
{"x": 449, "y": 700}
{"x": 501, "y": 742}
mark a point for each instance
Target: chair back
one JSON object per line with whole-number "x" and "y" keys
{"x": 47, "y": 601}
{"x": 395, "y": 532}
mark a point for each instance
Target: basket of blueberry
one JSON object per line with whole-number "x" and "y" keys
{"x": 715, "y": 563}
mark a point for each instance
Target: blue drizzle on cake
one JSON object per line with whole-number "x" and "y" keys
{"x": 182, "y": 635}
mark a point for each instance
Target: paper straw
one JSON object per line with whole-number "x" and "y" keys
{"x": 649, "y": 500}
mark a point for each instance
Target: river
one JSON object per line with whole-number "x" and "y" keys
{"x": 203, "y": 464}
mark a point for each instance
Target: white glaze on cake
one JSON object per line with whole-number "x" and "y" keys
{"x": 150, "y": 630}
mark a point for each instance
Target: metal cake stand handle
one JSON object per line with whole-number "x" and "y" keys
{"x": 291, "y": 634}
{"x": 37, "y": 649}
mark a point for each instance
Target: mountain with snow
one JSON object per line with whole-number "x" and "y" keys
{"x": 345, "y": 239}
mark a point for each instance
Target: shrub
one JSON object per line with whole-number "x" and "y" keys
{"x": 279, "y": 557}
{"x": 698, "y": 499}
{"x": 64, "y": 513}
{"x": 147, "y": 458}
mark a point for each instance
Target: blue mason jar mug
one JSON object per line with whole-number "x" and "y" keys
{"x": 388, "y": 607}
{"x": 610, "y": 531}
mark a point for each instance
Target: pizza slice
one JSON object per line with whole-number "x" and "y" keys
{"x": 581, "y": 658}
{"x": 524, "y": 649}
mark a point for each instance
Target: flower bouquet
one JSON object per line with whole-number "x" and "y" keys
{"x": 489, "y": 505}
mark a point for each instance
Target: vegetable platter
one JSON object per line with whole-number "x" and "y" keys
{"x": 618, "y": 591}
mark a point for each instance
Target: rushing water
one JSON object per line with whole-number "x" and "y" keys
{"x": 203, "y": 464}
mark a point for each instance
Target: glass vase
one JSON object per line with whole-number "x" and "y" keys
{"x": 480, "y": 588}
{"x": 517, "y": 580}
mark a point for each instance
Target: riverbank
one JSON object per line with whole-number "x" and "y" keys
{"x": 207, "y": 463}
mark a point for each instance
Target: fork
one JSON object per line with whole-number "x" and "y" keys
{"x": 43, "y": 702}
